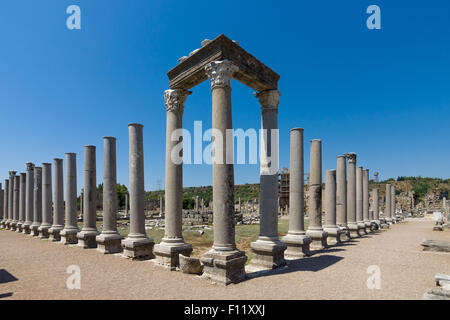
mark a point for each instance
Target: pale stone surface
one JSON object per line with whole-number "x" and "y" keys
{"x": 23, "y": 186}
{"x": 351, "y": 196}
{"x": 69, "y": 233}
{"x": 109, "y": 240}
{"x": 190, "y": 265}
{"x": 224, "y": 263}
{"x": 86, "y": 237}
{"x": 334, "y": 232}
{"x": 137, "y": 245}
{"x": 315, "y": 230}
{"x": 172, "y": 244}
{"x": 296, "y": 240}
{"x": 47, "y": 214}
{"x": 436, "y": 245}
{"x": 268, "y": 250}
{"x": 58, "y": 204}
{"x": 29, "y": 199}
{"x": 37, "y": 202}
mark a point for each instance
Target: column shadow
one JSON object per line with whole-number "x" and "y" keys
{"x": 5, "y": 295}
{"x": 5, "y": 276}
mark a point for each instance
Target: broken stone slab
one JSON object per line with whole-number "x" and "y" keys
{"x": 436, "y": 245}
{"x": 442, "y": 279}
{"x": 190, "y": 265}
{"x": 436, "y": 294}
{"x": 438, "y": 228}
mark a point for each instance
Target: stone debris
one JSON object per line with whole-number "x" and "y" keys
{"x": 190, "y": 265}
{"x": 436, "y": 245}
{"x": 442, "y": 292}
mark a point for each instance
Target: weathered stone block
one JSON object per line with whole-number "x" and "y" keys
{"x": 224, "y": 267}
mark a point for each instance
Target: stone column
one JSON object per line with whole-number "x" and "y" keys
{"x": 69, "y": 233}
{"x": 161, "y": 206}
{"x": 109, "y": 241}
{"x": 137, "y": 245}
{"x": 47, "y": 214}
{"x": 58, "y": 201}
{"x": 86, "y": 237}
{"x": 351, "y": 196}
{"x": 1, "y": 205}
{"x": 16, "y": 197}
{"x": 341, "y": 197}
{"x": 387, "y": 209}
{"x": 126, "y": 204}
{"x": 10, "y": 219}
{"x": 173, "y": 244}
{"x": 37, "y": 202}
{"x": 393, "y": 214}
{"x": 5, "y": 203}
{"x": 29, "y": 199}
{"x": 376, "y": 207}
{"x": 82, "y": 202}
{"x": 23, "y": 186}
{"x": 296, "y": 239}
{"x": 366, "y": 213}
{"x": 334, "y": 232}
{"x": 315, "y": 230}
{"x": 268, "y": 250}
{"x": 224, "y": 263}
{"x": 359, "y": 200}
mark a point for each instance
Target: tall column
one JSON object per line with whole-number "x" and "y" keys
{"x": 1, "y": 204}
{"x": 334, "y": 232}
{"x": 366, "y": 214}
{"x": 12, "y": 174}
{"x": 387, "y": 209}
{"x": 376, "y": 208}
{"x": 268, "y": 250}
{"x": 109, "y": 241}
{"x": 5, "y": 203}
{"x": 22, "y": 190}
{"x": 29, "y": 199}
{"x": 359, "y": 200}
{"x": 37, "y": 202}
{"x": 82, "y": 202}
{"x": 341, "y": 196}
{"x": 161, "y": 206}
{"x": 315, "y": 230}
{"x": 16, "y": 197}
{"x": 296, "y": 239}
{"x": 137, "y": 245}
{"x": 58, "y": 201}
{"x": 224, "y": 263}
{"x": 126, "y": 204}
{"x": 351, "y": 196}
{"x": 47, "y": 214}
{"x": 393, "y": 214}
{"x": 173, "y": 244}
{"x": 86, "y": 237}
{"x": 69, "y": 233}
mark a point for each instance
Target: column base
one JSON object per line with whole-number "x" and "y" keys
{"x": 43, "y": 231}
{"x": 19, "y": 227}
{"x": 86, "y": 239}
{"x": 8, "y": 225}
{"x": 54, "y": 233}
{"x": 318, "y": 238}
{"x": 35, "y": 230}
{"x": 267, "y": 255}
{"x": 224, "y": 267}
{"x": 345, "y": 236}
{"x": 368, "y": 226}
{"x": 297, "y": 246}
{"x": 13, "y": 226}
{"x": 354, "y": 230}
{"x": 26, "y": 228}
{"x": 362, "y": 228}
{"x": 138, "y": 248}
{"x": 69, "y": 236}
{"x": 109, "y": 243}
{"x": 334, "y": 234}
{"x": 167, "y": 253}
{"x": 3, "y": 223}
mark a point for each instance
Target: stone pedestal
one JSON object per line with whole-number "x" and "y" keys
{"x": 268, "y": 251}
{"x": 172, "y": 245}
{"x": 86, "y": 237}
{"x": 58, "y": 202}
{"x": 69, "y": 233}
{"x": 29, "y": 198}
{"x": 296, "y": 240}
{"x": 315, "y": 230}
{"x": 137, "y": 245}
{"x": 37, "y": 202}
{"x": 224, "y": 267}
{"x": 46, "y": 201}
{"x": 109, "y": 241}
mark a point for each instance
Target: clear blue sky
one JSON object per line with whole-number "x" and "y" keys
{"x": 384, "y": 94}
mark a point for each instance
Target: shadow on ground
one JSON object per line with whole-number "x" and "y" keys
{"x": 5, "y": 276}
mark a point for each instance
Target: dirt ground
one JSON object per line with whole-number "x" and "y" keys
{"x": 37, "y": 269}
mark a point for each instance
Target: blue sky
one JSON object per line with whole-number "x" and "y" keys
{"x": 383, "y": 94}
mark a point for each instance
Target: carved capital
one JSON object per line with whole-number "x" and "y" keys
{"x": 12, "y": 174}
{"x": 175, "y": 98}
{"x": 220, "y": 73}
{"x": 269, "y": 100}
{"x": 30, "y": 166}
{"x": 351, "y": 156}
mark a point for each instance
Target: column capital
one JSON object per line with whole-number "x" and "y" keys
{"x": 351, "y": 156}
{"x": 220, "y": 73}
{"x": 269, "y": 99}
{"x": 30, "y": 166}
{"x": 12, "y": 174}
{"x": 175, "y": 98}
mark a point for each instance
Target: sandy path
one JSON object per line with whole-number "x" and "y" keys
{"x": 406, "y": 271}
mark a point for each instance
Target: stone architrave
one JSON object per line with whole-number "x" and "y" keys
{"x": 315, "y": 230}
{"x": 137, "y": 245}
{"x": 351, "y": 196}
{"x": 29, "y": 199}
{"x": 16, "y": 199}
{"x": 296, "y": 240}
{"x": 37, "y": 202}
{"x": 334, "y": 232}
{"x": 23, "y": 186}
{"x": 47, "y": 201}
{"x": 86, "y": 237}
{"x": 69, "y": 233}
{"x": 172, "y": 244}
{"x": 268, "y": 250}
{"x": 58, "y": 201}
{"x": 109, "y": 240}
